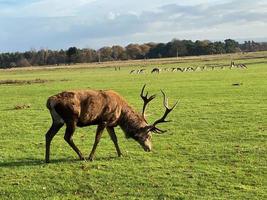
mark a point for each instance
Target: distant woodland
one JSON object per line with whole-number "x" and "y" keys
{"x": 174, "y": 48}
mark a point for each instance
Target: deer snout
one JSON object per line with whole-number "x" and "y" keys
{"x": 147, "y": 146}
{"x": 147, "y": 149}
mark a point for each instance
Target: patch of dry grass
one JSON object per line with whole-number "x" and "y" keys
{"x": 24, "y": 82}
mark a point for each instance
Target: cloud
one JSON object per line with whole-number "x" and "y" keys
{"x": 89, "y": 23}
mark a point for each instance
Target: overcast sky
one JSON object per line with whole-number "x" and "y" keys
{"x": 56, "y": 24}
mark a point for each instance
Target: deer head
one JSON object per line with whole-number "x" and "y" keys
{"x": 145, "y": 135}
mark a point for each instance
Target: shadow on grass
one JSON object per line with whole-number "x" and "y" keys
{"x": 34, "y": 162}
{"x": 107, "y": 158}
{"x": 40, "y": 162}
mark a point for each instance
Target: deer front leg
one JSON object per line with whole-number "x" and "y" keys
{"x": 114, "y": 139}
{"x": 99, "y": 131}
{"x": 48, "y": 138}
{"x": 68, "y": 138}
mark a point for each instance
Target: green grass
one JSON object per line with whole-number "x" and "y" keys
{"x": 215, "y": 146}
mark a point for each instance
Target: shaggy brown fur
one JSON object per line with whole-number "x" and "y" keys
{"x": 107, "y": 109}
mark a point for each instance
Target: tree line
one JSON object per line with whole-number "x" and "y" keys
{"x": 174, "y": 48}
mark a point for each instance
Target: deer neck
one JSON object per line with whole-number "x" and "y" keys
{"x": 131, "y": 122}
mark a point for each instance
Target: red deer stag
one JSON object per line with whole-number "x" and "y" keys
{"x": 106, "y": 109}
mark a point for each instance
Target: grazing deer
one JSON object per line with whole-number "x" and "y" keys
{"x": 242, "y": 66}
{"x": 141, "y": 71}
{"x": 174, "y": 69}
{"x": 132, "y": 71}
{"x": 189, "y": 69}
{"x": 106, "y": 109}
{"x": 179, "y": 69}
{"x": 155, "y": 70}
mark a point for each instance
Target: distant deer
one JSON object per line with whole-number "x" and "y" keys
{"x": 155, "y": 70}
{"x": 166, "y": 69}
{"x": 197, "y": 69}
{"x": 174, "y": 69}
{"x": 106, "y": 109}
{"x": 243, "y": 66}
{"x": 179, "y": 69}
{"x": 189, "y": 69}
{"x": 232, "y": 65}
{"x": 203, "y": 68}
{"x": 117, "y": 68}
{"x": 141, "y": 71}
{"x": 132, "y": 71}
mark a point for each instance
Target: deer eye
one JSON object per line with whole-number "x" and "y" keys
{"x": 148, "y": 137}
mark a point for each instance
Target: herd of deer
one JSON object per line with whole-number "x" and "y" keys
{"x": 187, "y": 69}
{"x": 106, "y": 109}
{"x": 241, "y": 66}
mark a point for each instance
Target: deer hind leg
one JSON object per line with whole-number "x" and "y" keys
{"x": 68, "y": 138}
{"x": 99, "y": 131}
{"x": 114, "y": 139}
{"x": 48, "y": 138}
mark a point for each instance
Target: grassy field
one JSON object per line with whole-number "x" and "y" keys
{"x": 215, "y": 146}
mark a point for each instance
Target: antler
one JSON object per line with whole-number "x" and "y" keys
{"x": 162, "y": 119}
{"x": 145, "y": 99}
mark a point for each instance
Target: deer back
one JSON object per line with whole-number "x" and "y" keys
{"x": 88, "y": 107}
